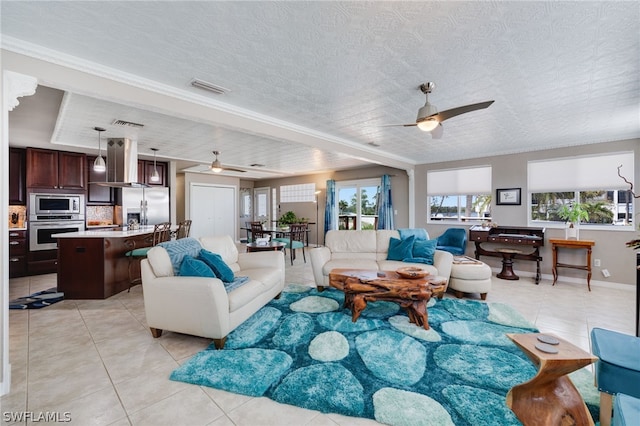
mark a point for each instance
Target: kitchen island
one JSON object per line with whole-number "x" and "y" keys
{"x": 92, "y": 264}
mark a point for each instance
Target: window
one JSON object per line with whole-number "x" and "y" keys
{"x": 358, "y": 204}
{"x": 245, "y": 202}
{"x": 592, "y": 181}
{"x": 459, "y": 195}
{"x": 261, "y": 205}
{"x": 302, "y": 193}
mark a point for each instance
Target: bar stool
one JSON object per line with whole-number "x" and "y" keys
{"x": 161, "y": 233}
{"x": 184, "y": 229}
{"x": 617, "y": 370}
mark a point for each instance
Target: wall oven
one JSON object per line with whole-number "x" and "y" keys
{"x": 51, "y": 214}
{"x": 40, "y": 232}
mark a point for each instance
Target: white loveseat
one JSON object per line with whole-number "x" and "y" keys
{"x": 201, "y": 306}
{"x": 366, "y": 250}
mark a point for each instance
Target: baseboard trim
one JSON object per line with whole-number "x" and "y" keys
{"x": 573, "y": 280}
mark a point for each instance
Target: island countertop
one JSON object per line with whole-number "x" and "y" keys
{"x": 106, "y": 233}
{"x": 93, "y": 264}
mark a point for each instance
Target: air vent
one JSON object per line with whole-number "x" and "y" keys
{"x": 257, "y": 165}
{"x": 205, "y": 85}
{"x": 124, "y": 123}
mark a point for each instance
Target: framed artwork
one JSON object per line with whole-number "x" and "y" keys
{"x": 508, "y": 197}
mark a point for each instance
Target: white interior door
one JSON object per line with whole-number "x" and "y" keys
{"x": 213, "y": 210}
{"x": 261, "y": 205}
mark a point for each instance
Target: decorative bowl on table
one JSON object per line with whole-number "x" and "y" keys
{"x": 412, "y": 272}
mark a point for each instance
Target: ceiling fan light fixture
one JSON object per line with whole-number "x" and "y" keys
{"x": 216, "y": 167}
{"x": 98, "y": 164}
{"x": 428, "y": 124}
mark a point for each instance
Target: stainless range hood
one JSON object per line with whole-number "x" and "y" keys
{"x": 122, "y": 164}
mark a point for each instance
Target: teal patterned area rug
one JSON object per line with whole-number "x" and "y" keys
{"x": 304, "y": 350}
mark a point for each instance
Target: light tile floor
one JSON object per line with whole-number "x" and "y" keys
{"x": 96, "y": 359}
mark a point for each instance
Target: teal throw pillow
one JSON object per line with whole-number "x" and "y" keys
{"x": 425, "y": 249}
{"x": 192, "y": 267}
{"x": 418, "y": 233}
{"x": 217, "y": 265}
{"x": 400, "y": 249}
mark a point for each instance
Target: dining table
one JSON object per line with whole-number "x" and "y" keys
{"x": 279, "y": 232}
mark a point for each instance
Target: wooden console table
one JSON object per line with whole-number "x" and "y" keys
{"x": 571, "y": 244}
{"x": 550, "y": 398}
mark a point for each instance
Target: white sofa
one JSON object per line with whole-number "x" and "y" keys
{"x": 366, "y": 250}
{"x": 201, "y": 306}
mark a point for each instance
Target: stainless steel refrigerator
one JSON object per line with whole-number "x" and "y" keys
{"x": 149, "y": 206}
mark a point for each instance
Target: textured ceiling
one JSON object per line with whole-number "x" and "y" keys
{"x": 561, "y": 74}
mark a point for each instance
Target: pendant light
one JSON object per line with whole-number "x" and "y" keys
{"x": 155, "y": 176}
{"x": 99, "y": 164}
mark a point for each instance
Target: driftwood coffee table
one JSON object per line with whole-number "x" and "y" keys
{"x": 362, "y": 286}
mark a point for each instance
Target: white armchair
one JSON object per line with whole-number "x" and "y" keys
{"x": 201, "y": 306}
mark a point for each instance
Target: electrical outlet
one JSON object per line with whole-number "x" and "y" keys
{"x": 606, "y": 273}
{"x": 596, "y": 262}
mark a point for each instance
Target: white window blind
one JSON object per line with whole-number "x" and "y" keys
{"x": 580, "y": 173}
{"x": 476, "y": 180}
{"x": 301, "y": 193}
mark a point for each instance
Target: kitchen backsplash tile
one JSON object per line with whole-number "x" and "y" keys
{"x": 101, "y": 214}
{"x": 17, "y": 216}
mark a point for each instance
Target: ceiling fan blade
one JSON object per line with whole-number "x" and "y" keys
{"x": 445, "y": 115}
{"x": 437, "y": 132}
{"x": 231, "y": 169}
{"x": 399, "y": 125}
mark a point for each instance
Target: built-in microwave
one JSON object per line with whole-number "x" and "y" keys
{"x": 56, "y": 205}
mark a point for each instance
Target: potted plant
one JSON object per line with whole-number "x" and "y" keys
{"x": 288, "y": 218}
{"x": 573, "y": 214}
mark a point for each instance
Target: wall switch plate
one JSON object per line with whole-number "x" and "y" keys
{"x": 596, "y": 262}
{"x": 606, "y": 273}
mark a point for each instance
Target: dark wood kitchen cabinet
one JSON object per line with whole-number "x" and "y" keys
{"x": 17, "y": 177}
{"x": 96, "y": 194}
{"x": 145, "y": 170}
{"x": 42, "y": 262}
{"x": 96, "y": 267}
{"x": 17, "y": 253}
{"x": 47, "y": 169}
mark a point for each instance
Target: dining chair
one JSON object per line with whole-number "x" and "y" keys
{"x": 184, "y": 229}
{"x": 295, "y": 240}
{"x": 257, "y": 231}
{"x": 161, "y": 233}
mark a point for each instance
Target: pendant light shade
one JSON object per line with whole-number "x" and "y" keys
{"x": 99, "y": 164}
{"x": 155, "y": 176}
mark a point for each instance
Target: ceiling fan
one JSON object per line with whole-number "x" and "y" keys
{"x": 430, "y": 120}
{"x": 217, "y": 167}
